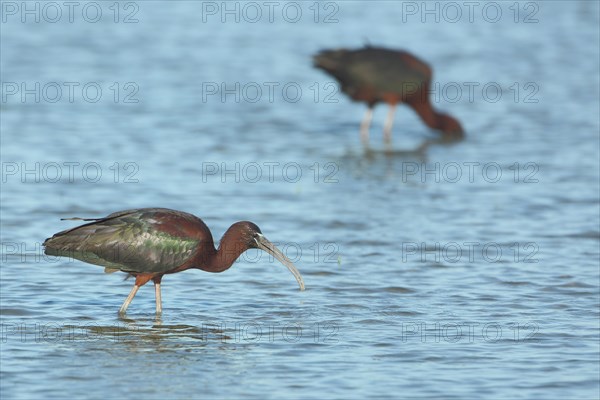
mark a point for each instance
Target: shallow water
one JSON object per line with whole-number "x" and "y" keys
{"x": 465, "y": 270}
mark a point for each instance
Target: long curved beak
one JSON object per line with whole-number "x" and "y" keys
{"x": 270, "y": 248}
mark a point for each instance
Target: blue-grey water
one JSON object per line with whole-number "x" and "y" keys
{"x": 465, "y": 270}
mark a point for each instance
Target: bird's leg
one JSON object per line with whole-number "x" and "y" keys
{"x": 140, "y": 280}
{"x": 364, "y": 126}
{"x": 158, "y": 296}
{"x": 387, "y": 127}
{"x": 128, "y": 299}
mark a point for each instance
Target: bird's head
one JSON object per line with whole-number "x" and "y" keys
{"x": 450, "y": 127}
{"x": 249, "y": 236}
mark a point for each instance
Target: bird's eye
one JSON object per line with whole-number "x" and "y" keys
{"x": 257, "y": 237}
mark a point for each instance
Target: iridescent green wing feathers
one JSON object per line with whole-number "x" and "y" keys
{"x": 375, "y": 70}
{"x": 385, "y": 70}
{"x": 131, "y": 241}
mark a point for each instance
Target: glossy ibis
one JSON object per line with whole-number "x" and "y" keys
{"x": 375, "y": 75}
{"x": 151, "y": 242}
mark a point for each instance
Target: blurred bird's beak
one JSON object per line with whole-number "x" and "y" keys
{"x": 270, "y": 248}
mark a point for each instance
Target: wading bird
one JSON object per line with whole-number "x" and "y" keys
{"x": 375, "y": 75}
{"x": 151, "y": 242}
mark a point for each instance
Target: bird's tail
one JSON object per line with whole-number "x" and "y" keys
{"x": 80, "y": 219}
